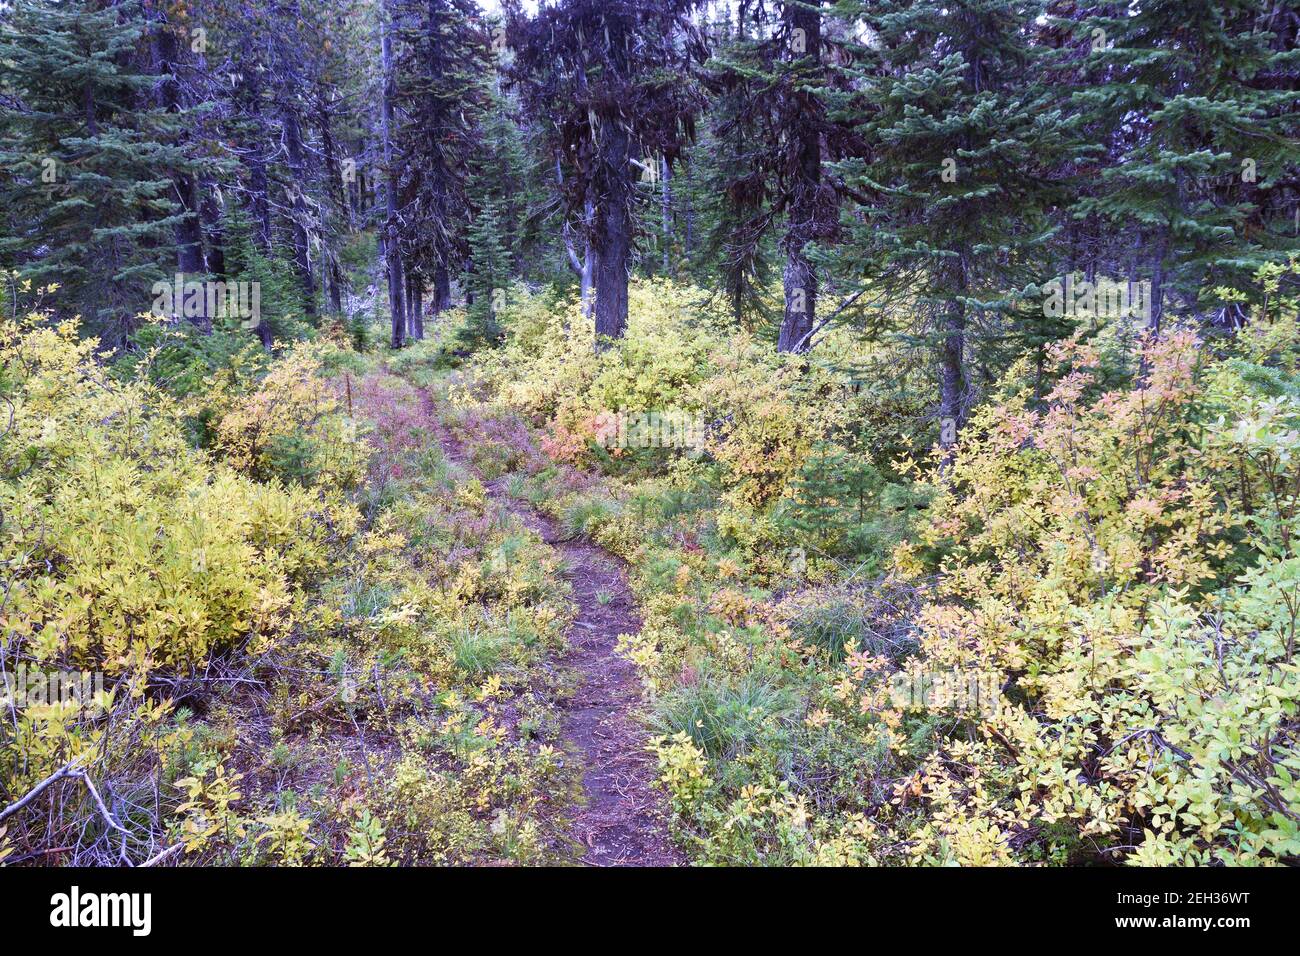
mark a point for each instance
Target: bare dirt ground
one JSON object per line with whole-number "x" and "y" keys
{"x": 620, "y": 820}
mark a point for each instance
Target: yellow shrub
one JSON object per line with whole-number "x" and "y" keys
{"x": 290, "y": 427}
{"x": 1127, "y": 560}
{"x": 126, "y": 549}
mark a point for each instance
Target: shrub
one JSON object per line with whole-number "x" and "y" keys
{"x": 289, "y": 428}
{"x": 1127, "y": 558}
{"x": 127, "y": 549}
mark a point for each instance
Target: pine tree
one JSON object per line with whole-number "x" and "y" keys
{"x": 441, "y": 56}
{"x": 729, "y": 187}
{"x": 84, "y": 160}
{"x": 1198, "y": 144}
{"x": 955, "y": 189}
{"x": 612, "y": 81}
{"x": 487, "y": 283}
{"x": 834, "y": 496}
{"x": 772, "y": 78}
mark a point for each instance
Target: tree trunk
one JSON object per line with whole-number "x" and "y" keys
{"x": 415, "y": 306}
{"x": 334, "y": 286}
{"x": 441, "y": 289}
{"x": 257, "y": 186}
{"x": 587, "y": 277}
{"x": 301, "y": 238}
{"x": 800, "y": 282}
{"x": 690, "y": 215}
{"x": 800, "y": 278}
{"x": 952, "y": 373}
{"x": 392, "y": 254}
{"x": 1158, "y": 281}
{"x": 612, "y": 233}
{"x": 666, "y": 209}
{"x": 211, "y": 213}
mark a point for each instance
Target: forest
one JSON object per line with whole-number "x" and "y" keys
{"x": 649, "y": 433}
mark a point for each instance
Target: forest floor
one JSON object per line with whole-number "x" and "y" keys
{"x": 619, "y": 819}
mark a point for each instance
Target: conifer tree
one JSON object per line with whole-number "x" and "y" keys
{"x": 487, "y": 283}
{"x": 85, "y": 155}
{"x": 441, "y": 57}
{"x": 611, "y": 80}
{"x": 955, "y": 186}
{"x": 771, "y": 80}
{"x": 1198, "y": 145}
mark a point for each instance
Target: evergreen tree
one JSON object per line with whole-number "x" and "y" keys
{"x": 85, "y": 160}
{"x": 610, "y": 80}
{"x": 773, "y": 81}
{"x": 487, "y": 282}
{"x": 1197, "y": 143}
{"x": 955, "y": 188}
{"x": 442, "y": 56}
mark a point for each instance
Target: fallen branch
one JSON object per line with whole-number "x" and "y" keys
{"x": 69, "y": 771}
{"x": 806, "y": 341}
{"x": 165, "y": 854}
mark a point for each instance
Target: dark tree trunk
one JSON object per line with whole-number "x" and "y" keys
{"x": 392, "y": 254}
{"x": 666, "y": 210}
{"x": 800, "y": 277}
{"x": 211, "y": 213}
{"x": 952, "y": 372}
{"x": 257, "y": 187}
{"x": 189, "y": 231}
{"x": 690, "y": 216}
{"x": 1158, "y": 281}
{"x": 301, "y": 238}
{"x": 441, "y": 289}
{"x": 324, "y": 125}
{"x": 334, "y": 286}
{"x": 415, "y": 307}
{"x": 613, "y": 231}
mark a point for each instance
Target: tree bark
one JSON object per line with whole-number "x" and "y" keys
{"x": 690, "y": 215}
{"x": 301, "y": 238}
{"x": 587, "y": 277}
{"x": 415, "y": 306}
{"x": 800, "y": 282}
{"x": 257, "y": 186}
{"x": 800, "y": 277}
{"x": 334, "y": 285}
{"x": 666, "y": 209}
{"x": 952, "y": 373}
{"x": 612, "y": 232}
{"x": 210, "y": 212}
{"x": 392, "y": 254}
{"x": 441, "y": 289}
{"x": 1158, "y": 281}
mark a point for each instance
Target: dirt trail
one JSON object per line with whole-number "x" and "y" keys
{"x": 621, "y": 821}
